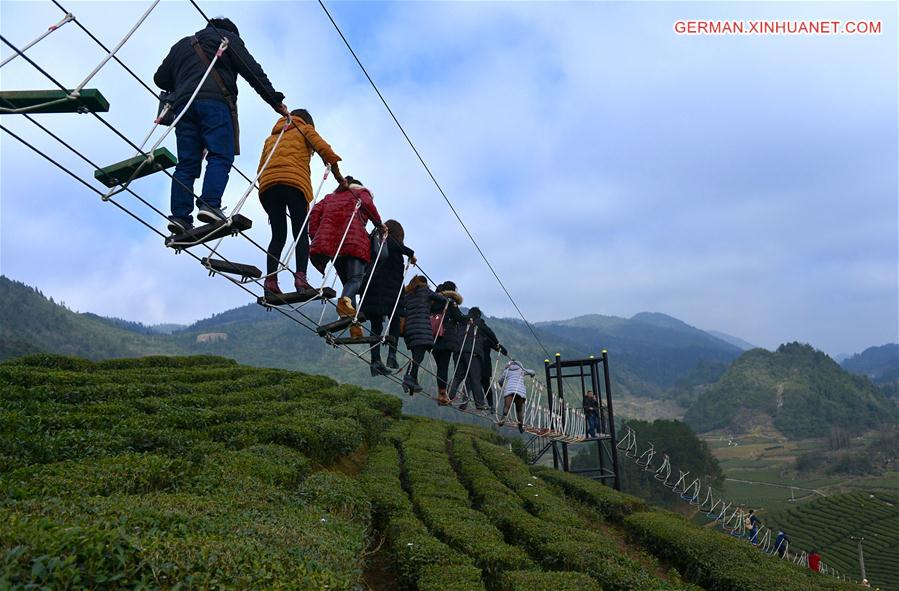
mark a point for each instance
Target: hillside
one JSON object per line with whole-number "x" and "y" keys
{"x": 649, "y": 352}
{"x": 656, "y": 348}
{"x": 164, "y": 473}
{"x": 879, "y": 364}
{"x": 30, "y": 322}
{"x": 796, "y": 389}
{"x": 830, "y": 523}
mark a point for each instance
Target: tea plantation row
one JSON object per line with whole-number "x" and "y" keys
{"x": 829, "y": 524}
{"x": 197, "y": 473}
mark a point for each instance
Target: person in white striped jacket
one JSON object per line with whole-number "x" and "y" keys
{"x": 514, "y": 390}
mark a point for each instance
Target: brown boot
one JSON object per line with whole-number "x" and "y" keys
{"x": 345, "y": 308}
{"x": 300, "y": 282}
{"x": 271, "y": 285}
{"x": 356, "y": 331}
{"x": 442, "y": 399}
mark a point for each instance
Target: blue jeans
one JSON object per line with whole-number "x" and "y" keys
{"x": 352, "y": 274}
{"x": 206, "y": 125}
{"x": 592, "y": 422}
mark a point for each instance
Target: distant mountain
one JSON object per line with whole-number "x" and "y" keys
{"x": 735, "y": 341}
{"x": 654, "y": 348}
{"x": 796, "y": 389}
{"x": 880, "y": 364}
{"x": 649, "y": 353}
{"x": 30, "y": 322}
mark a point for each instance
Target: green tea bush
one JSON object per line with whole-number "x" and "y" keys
{"x": 543, "y": 581}
{"x": 181, "y": 473}
{"x": 337, "y": 494}
{"x": 412, "y": 549}
{"x": 612, "y": 504}
{"x": 719, "y": 562}
{"x": 265, "y": 464}
{"x": 442, "y": 503}
{"x": 123, "y": 474}
{"x": 450, "y": 578}
{"x": 555, "y": 545}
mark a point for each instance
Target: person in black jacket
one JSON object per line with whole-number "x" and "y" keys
{"x": 450, "y": 323}
{"x": 210, "y": 122}
{"x": 384, "y": 286}
{"x": 489, "y": 342}
{"x": 418, "y": 334}
{"x": 469, "y": 365}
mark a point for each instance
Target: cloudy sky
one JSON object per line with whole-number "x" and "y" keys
{"x": 605, "y": 164}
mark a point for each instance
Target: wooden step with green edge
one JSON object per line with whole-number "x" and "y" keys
{"x": 208, "y": 232}
{"x": 295, "y": 297}
{"x": 337, "y": 326}
{"x": 89, "y": 100}
{"x": 120, "y": 172}
{"x": 220, "y": 266}
{"x": 370, "y": 340}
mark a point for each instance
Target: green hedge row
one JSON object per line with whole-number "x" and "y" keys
{"x": 420, "y": 560}
{"x": 442, "y": 504}
{"x": 547, "y": 581}
{"x": 607, "y": 501}
{"x": 557, "y": 547}
{"x": 49, "y": 361}
{"x": 719, "y": 562}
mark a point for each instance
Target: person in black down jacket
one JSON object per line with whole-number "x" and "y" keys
{"x": 469, "y": 366}
{"x": 449, "y": 343}
{"x": 385, "y": 285}
{"x": 489, "y": 342}
{"x": 418, "y": 335}
{"x": 210, "y": 122}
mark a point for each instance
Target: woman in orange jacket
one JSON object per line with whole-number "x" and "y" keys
{"x": 285, "y": 185}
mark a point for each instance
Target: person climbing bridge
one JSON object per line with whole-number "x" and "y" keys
{"x": 447, "y": 328}
{"x": 814, "y": 560}
{"x": 781, "y": 542}
{"x": 285, "y": 186}
{"x": 418, "y": 334}
{"x": 752, "y": 526}
{"x": 591, "y": 413}
{"x": 489, "y": 342}
{"x": 514, "y": 391}
{"x": 210, "y": 123}
{"x": 337, "y": 227}
{"x": 469, "y": 366}
{"x": 386, "y": 278}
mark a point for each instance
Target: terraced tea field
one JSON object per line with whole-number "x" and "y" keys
{"x": 197, "y": 473}
{"x": 829, "y": 523}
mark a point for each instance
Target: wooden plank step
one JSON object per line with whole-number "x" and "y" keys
{"x": 372, "y": 340}
{"x": 220, "y": 266}
{"x": 89, "y": 100}
{"x": 336, "y": 326}
{"x": 120, "y": 172}
{"x": 208, "y": 232}
{"x": 296, "y": 297}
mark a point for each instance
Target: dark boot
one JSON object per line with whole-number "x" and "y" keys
{"x": 300, "y": 282}
{"x": 391, "y": 359}
{"x": 271, "y": 285}
{"x": 378, "y": 369}
{"x": 410, "y": 384}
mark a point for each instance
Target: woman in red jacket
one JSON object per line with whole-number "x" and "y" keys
{"x": 350, "y": 205}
